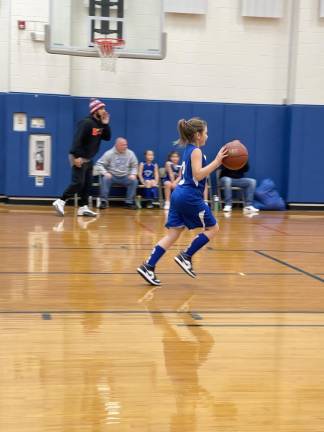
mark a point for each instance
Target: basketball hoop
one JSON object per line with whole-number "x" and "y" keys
{"x": 106, "y": 48}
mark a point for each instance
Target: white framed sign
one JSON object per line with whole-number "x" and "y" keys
{"x": 19, "y": 121}
{"x": 40, "y": 155}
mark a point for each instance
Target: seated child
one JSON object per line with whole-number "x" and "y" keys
{"x": 173, "y": 176}
{"x": 148, "y": 174}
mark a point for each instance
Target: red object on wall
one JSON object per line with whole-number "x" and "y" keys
{"x": 21, "y": 24}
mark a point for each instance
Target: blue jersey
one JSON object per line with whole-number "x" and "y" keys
{"x": 187, "y": 179}
{"x": 188, "y": 208}
{"x": 148, "y": 171}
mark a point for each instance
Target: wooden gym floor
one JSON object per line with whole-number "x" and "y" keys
{"x": 86, "y": 345}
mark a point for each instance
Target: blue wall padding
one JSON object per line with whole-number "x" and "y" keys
{"x": 271, "y": 145}
{"x": 2, "y": 143}
{"x": 285, "y": 143}
{"x": 58, "y": 114}
{"x": 169, "y": 113}
{"x": 142, "y": 127}
{"x": 306, "y": 156}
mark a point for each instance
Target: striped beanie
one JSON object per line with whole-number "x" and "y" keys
{"x": 95, "y": 104}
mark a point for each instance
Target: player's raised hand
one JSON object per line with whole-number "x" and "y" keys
{"x": 223, "y": 152}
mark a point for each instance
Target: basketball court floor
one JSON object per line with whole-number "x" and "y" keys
{"x": 86, "y": 345}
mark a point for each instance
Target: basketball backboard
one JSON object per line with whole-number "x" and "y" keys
{"x": 75, "y": 24}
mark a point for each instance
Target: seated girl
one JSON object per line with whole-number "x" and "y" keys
{"x": 148, "y": 174}
{"x": 173, "y": 176}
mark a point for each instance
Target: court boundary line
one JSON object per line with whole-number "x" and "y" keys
{"x": 304, "y": 272}
{"x": 271, "y": 228}
{"x": 148, "y": 312}
{"x": 251, "y": 325}
{"x": 160, "y": 273}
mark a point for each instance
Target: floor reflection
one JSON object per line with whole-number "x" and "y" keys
{"x": 186, "y": 350}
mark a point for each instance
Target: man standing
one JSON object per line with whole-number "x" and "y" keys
{"x": 118, "y": 166}
{"x": 90, "y": 131}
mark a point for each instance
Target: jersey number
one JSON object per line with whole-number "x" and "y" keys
{"x": 183, "y": 169}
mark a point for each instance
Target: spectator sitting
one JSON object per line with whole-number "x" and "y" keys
{"x": 173, "y": 176}
{"x": 148, "y": 174}
{"x": 118, "y": 166}
{"x": 229, "y": 178}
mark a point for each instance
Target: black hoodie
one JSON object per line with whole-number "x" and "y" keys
{"x": 88, "y": 136}
{"x": 236, "y": 174}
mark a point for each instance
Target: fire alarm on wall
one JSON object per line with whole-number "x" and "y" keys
{"x": 21, "y": 24}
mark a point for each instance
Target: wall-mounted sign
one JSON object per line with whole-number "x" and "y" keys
{"x": 40, "y": 155}
{"x": 39, "y": 181}
{"x": 37, "y": 123}
{"x": 19, "y": 122}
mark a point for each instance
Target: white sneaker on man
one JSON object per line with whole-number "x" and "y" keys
{"x": 166, "y": 205}
{"x": 59, "y": 206}
{"x": 250, "y": 209}
{"x": 227, "y": 208}
{"x": 85, "y": 211}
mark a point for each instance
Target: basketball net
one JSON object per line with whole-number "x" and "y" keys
{"x": 107, "y": 52}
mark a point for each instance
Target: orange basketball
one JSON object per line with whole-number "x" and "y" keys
{"x": 237, "y": 155}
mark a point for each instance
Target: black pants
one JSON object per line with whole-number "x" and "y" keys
{"x": 81, "y": 183}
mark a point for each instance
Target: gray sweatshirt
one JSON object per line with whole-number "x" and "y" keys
{"x": 117, "y": 164}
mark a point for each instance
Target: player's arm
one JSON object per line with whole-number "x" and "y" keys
{"x": 140, "y": 172}
{"x": 179, "y": 175}
{"x": 156, "y": 173}
{"x": 200, "y": 172}
{"x": 168, "y": 169}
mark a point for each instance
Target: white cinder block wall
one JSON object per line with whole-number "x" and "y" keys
{"x": 220, "y": 57}
{"x": 310, "y": 58}
{"x": 4, "y": 48}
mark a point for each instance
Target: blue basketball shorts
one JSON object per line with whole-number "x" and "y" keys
{"x": 189, "y": 213}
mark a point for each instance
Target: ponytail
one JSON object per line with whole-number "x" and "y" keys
{"x": 188, "y": 128}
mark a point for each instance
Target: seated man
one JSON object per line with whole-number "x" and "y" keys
{"x": 229, "y": 178}
{"x": 118, "y": 166}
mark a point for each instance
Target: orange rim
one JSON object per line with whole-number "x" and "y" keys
{"x": 108, "y": 44}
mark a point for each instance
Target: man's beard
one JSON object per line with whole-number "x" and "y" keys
{"x": 97, "y": 116}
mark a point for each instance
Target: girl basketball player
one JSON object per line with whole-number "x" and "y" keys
{"x": 148, "y": 173}
{"x": 173, "y": 176}
{"x": 188, "y": 208}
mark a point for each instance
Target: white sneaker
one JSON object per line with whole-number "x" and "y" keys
{"x": 227, "y": 208}
{"x": 166, "y": 205}
{"x": 59, "y": 206}
{"x": 250, "y": 209}
{"x": 184, "y": 262}
{"x": 85, "y": 211}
